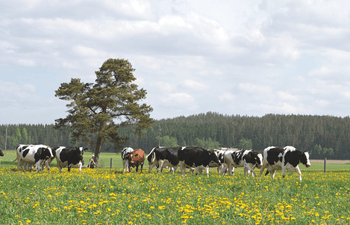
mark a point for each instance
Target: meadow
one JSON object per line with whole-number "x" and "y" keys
{"x": 109, "y": 196}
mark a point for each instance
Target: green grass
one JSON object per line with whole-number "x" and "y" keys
{"x": 104, "y": 196}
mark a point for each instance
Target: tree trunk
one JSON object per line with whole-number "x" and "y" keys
{"x": 98, "y": 149}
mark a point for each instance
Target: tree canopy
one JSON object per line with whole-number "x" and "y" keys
{"x": 97, "y": 110}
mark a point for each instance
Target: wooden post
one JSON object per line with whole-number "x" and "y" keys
{"x": 325, "y": 165}
{"x": 111, "y": 163}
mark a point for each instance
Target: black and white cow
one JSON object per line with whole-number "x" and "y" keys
{"x": 1, "y": 152}
{"x": 37, "y": 155}
{"x": 125, "y": 157}
{"x": 248, "y": 159}
{"x": 163, "y": 157}
{"x": 219, "y": 166}
{"x": 68, "y": 156}
{"x": 284, "y": 159}
{"x": 196, "y": 157}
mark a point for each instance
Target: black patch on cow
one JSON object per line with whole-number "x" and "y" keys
{"x": 237, "y": 156}
{"x": 41, "y": 154}
{"x": 303, "y": 159}
{"x": 293, "y": 157}
{"x": 170, "y": 154}
{"x": 196, "y": 156}
{"x": 1, "y": 153}
{"x": 252, "y": 157}
{"x": 25, "y": 152}
{"x": 274, "y": 155}
{"x": 20, "y": 148}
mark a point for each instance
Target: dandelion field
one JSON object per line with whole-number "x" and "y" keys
{"x": 109, "y": 196}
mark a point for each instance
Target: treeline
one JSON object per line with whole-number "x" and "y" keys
{"x": 322, "y": 136}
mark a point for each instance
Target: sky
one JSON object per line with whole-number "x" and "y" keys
{"x": 234, "y": 57}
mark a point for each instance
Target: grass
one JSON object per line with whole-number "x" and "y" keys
{"x": 104, "y": 196}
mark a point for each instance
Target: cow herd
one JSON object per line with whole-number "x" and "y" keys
{"x": 41, "y": 156}
{"x": 195, "y": 159}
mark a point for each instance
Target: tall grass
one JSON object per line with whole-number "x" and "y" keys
{"x": 104, "y": 196}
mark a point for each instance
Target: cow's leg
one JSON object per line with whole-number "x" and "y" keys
{"x": 151, "y": 165}
{"x": 37, "y": 166}
{"x": 207, "y": 171}
{"x": 19, "y": 164}
{"x": 127, "y": 165}
{"x": 137, "y": 167}
{"x": 160, "y": 166}
{"x": 283, "y": 171}
{"x": 47, "y": 165}
{"x": 80, "y": 165}
{"x": 141, "y": 167}
{"x": 183, "y": 168}
{"x": 299, "y": 172}
{"x": 273, "y": 172}
{"x": 69, "y": 166}
{"x": 123, "y": 165}
{"x": 262, "y": 170}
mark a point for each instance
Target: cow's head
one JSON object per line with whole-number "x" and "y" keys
{"x": 1, "y": 153}
{"x": 304, "y": 158}
{"x": 82, "y": 150}
{"x": 45, "y": 152}
{"x": 213, "y": 157}
{"x": 258, "y": 160}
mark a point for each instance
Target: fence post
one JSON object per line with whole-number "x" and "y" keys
{"x": 111, "y": 163}
{"x": 325, "y": 165}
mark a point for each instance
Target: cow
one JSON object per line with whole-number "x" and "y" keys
{"x": 137, "y": 158}
{"x": 68, "y": 156}
{"x": 248, "y": 159}
{"x": 163, "y": 157}
{"x": 283, "y": 159}
{"x": 37, "y": 155}
{"x": 220, "y": 165}
{"x": 125, "y": 157}
{"x": 196, "y": 157}
{"x": 1, "y": 152}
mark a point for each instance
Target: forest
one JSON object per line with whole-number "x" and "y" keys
{"x": 323, "y": 136}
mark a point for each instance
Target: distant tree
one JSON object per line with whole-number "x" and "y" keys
{"x": 97, "y": 110}
{"x": 245, "y": 144}
{"x": 167, "y": 141}
{"x": 25, "y": 136}
{"x": 206, "y": 143}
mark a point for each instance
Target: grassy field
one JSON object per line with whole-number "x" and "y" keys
{"x": 105, "y": 196}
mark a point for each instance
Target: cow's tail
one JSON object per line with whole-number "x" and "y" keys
{"x": 267, "y": 172}
{"x": 153, "y": 156}
{"x": 14, "y": 160}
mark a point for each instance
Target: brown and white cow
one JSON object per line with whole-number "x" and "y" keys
{"x": 136, "y": 159}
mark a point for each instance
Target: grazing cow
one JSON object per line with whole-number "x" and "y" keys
{"x": 125, "y": 157}
{"x": 1, "y": 152}
{"x": 163, "y": 157}
{"x": 137, "y": 158}
{"x": 33, "y": 154}
{"x": 68, "y": 156}
{"x": 287, "y": 158}
{"x": 196, "y": 157}
{"x": 242, "y": 158}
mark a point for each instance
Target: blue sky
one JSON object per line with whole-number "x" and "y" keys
{"x": 236, "y": 57}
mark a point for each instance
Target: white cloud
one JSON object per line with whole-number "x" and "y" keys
{"x": 226, "y": 97}
{"x": 194, "y": 85}
{"x": 179, "y": 100}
